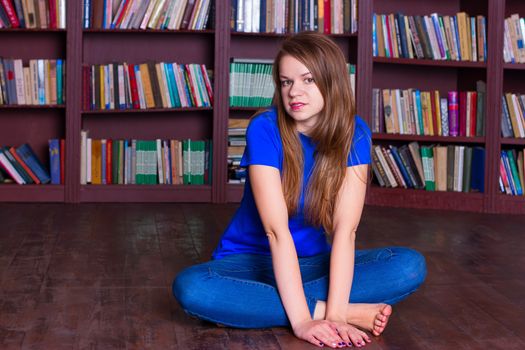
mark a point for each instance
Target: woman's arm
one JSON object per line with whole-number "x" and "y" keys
{"x": 269, "y": 198}
{"x": 347, "y": 215}
{"x": 271, "y": 205}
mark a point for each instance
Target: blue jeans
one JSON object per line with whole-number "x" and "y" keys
{"x": 240, "y": 290}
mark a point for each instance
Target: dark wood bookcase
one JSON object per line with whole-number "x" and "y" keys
{"x": 215, "y": 48}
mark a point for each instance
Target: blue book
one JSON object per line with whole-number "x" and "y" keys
{"x": 174, "y": 89}
{"x": 374, "y": 35}
{"x": 54, "y": 161}
{"x": 477, "y": 176}
{"x": 419, "y": 113}
{"x": 87, "y": 14}
{"x": 402, "y": 34}
{"x": 262, "y": 23}
{"x": 29, "y": 157}
{"x": 401, "y": 167}
{"x": 456, "y": 31}
{"x": 510, "y": 178}
{"x": 60, "y": 82}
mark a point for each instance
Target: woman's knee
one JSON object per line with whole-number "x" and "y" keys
{"x": 412, "y": 265}
{"x": 187, "y": 287}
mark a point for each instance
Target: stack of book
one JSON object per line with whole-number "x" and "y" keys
{"x": 514, "y": 37}
{"x": 41, "y": 82}
{"x": 146, "y": 85}
{"x": 513, "y": 115}
{"x": 22, "y": 166}
{"x": 455, "y": 38}
{"x": 42, "y": 14}
{"x": 264, "y": 16}
{"x": 144, "y": 162}
{"x": 434, "y": 168}
{"x": 147, "y": 14}
{"x": 511, "y": 179}
{"x": 236, "y": 145}
{"x": 415, "y": 112}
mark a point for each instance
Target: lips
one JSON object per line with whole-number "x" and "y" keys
{"x": 296, "y": 106}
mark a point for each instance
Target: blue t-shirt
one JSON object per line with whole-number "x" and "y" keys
{"x": 245, "y": 233}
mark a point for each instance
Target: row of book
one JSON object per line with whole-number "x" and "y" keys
{"x": 513, "y": 115}
{"x": 433, "y": 168}
{"x": 22, "y": 166}
{"x": 144, "y": 162}
{"x": 41, "y": 82}
{"x": 514, "y": 39}
{"x": 455, "y": 38}
{"x": 146, "y": 85}
{"x": 511, "y": 179}
{"x": 293, "y": 16}
{"x": 236, "y": 145}
{"x": 415, "y": 112}
{"x": 41, "y": 14}
{"x": 251, "y": 82}
{"x": 147, "y": 14}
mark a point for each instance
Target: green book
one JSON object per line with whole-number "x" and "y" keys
{"x": 514, "y": 170}
{"x": 427, "y": 156}
{"x": 186, "y": 159}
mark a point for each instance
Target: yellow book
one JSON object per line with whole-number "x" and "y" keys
{"x": 96, "y": 162}
{"x": 146, "y": 83}
{"x": 463, "y": 36}
{"x": 439, "y": 131}
{"x": 102, "y": 87}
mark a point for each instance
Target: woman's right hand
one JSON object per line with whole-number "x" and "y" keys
{"x": 319, "y": 333}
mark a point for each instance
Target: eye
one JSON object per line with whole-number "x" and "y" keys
{"x": 286, "y": 82}
{"x": 309, "y": 80}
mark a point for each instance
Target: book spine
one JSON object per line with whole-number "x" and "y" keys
{"x": 453, "y": 116}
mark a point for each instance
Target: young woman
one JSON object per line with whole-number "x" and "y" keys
{"x": 288, "y": 257}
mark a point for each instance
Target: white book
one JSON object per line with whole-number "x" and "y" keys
{"x": 139, "y": 15}
{"x": 180, "y": 14}
{"x": 433, "y": 39}
{"x": 140, "y": 88}
{"x": 180, "y": 82}
{"x": 27, "y": 86}
{"x": 384, "y": 163}
{"x": 133, "y": 170}
{"x": 148, "y": 14}
{"x": 89, "y": 146}
{"x": 130, "y": 14}
{"x": 11, "y": 169}
{"x": 61, "y": 14}
{"x": 156, "y": 14}
{"x": 461, "y": 159}
{"x": 19, "y": 82}
{"x": 159, "y": 162}
{"x": 111, "y": 84}
{"x": 121, "y": 89}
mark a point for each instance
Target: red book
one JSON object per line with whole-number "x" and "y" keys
{"x": 207, "y": 83}
{"x": 134, "y": 89}
{"x": 62, "y": 161}
{"x": 123, "y": 8}
{"x": 433, "y": 114}
{"x": 52, "y": 14}
{"x": 327, "y": 17}
{"x": 462, "y": 113}
{"x": 11, "y": 14}
{"x": 12, "y": 150}
{"x": 109, "y": 162}
{"x": 189, "y": 83}
{"x": 473, "y": 112}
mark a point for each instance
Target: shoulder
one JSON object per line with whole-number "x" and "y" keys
{"x": 361, "y": 130}
{"x": 265, "y": 120}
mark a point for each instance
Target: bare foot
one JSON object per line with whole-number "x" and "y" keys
{"x": 370, "y": 317}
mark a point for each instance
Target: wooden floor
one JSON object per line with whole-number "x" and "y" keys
{"x": 99, "y": 277}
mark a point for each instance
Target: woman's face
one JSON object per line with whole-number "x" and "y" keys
{"x": 302, "y": 99}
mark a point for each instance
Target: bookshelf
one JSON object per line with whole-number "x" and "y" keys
{"x": 215, "y": 48}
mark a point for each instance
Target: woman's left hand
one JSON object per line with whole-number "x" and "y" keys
{"x": 350, "y": 334}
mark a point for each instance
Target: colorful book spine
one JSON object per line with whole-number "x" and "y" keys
{"x": 453, "y": 113}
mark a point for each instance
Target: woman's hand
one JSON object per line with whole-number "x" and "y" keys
{"x": 350, "y": 334}
{"x": 320, "y": 333}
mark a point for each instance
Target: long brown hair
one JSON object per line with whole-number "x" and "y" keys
{"x": 332, "y": 134}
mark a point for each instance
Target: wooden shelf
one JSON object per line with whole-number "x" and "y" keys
{"x": 145, "y": 193}
{"x": 277, "y": 35}
{"x": 505, "y": 203}
{"x": 32, "y": 106}
{"x": 31, "y": 193}
{"x": 162, "y": 31}
{"x": 149, "y": 110}
{"x": 512, "y": 141}
{"x": 427, "y": 62}
{"x": 423, "y": 138}
{"x": 32, "y": 30}
{"x": 234, "y": 192}
{"x": 514, "y": 66}
{"x": 410, "y": 198}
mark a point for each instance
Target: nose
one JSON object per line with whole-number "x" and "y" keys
{"x": 295, "y": 90}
